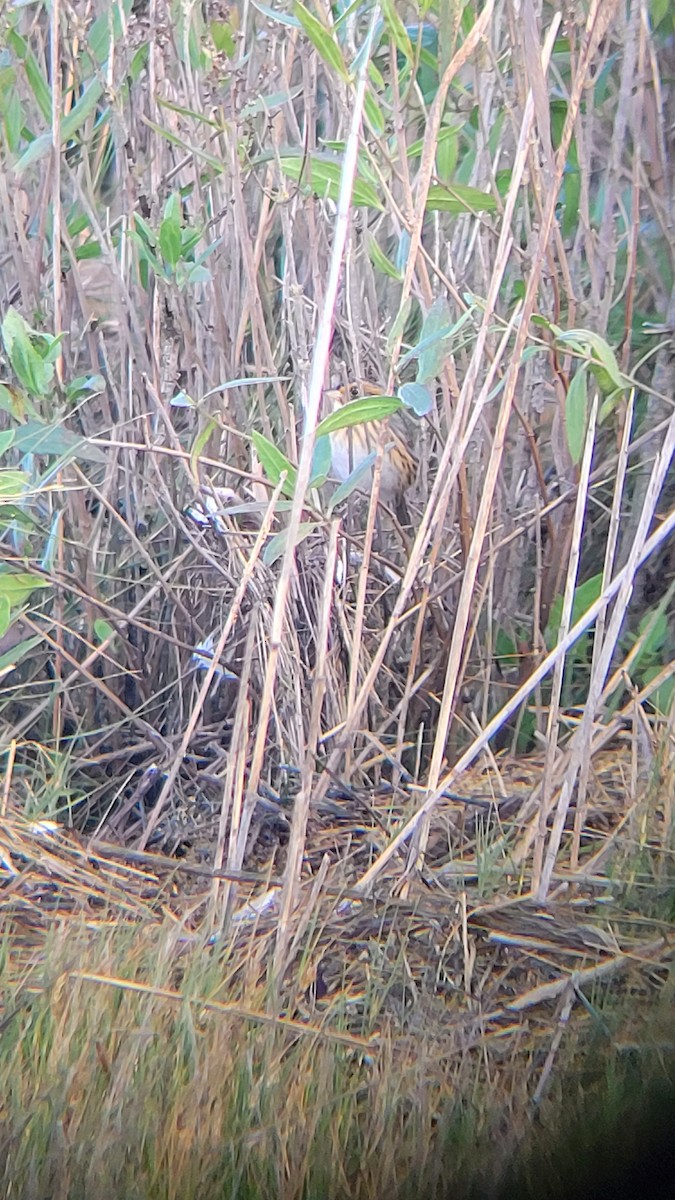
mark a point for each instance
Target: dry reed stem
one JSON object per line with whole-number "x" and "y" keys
{"x": 623, "y": 580}
{"x": 318, "y": 371}
{"x": 553, "y": 724}
{"x": 296, "y": 846}
{"x": 209, "y": 674}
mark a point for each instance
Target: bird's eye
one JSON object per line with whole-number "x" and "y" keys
{"x": 355, "y": 391}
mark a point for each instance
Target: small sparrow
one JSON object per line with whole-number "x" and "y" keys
{"x": 351, "y": 446}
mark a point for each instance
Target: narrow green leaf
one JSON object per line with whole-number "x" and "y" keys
{"x": 447, "y": 150}
{"x": 358, "y": 412}
{"x": 5, "y": 615}
{"x": 6, "y": 439}
{"x": 29, "y": 367}
{"x": 38, "y": 84}
{"x": 199, "y": 443}
{"x": 373, "y": 114}
{"x": 109, "y": 23}
{"x": 655, "y": 626}
{"x": 458, "y": 198}
{"x": 170, "y": 240}
{"x": 35, "y": 150}
{"x": 572, "y": 194}
{"x": 399, "y": 324}
{"x": 323, "y": 176}
{"x": 435, "y": 330}
{"x": 17, "y": 586}
{"x": 192, "y": 114}
{"x": 273, "y": 14}
{"x": 321, "y": 462}
{"x": 80, "y": 112}
{"x": 274, "y": 463}
{"x": 397, "y": 30}
{"x": 191, "y": 148}
{"x": 55, "y": 440}
{"x": 103, "y": 630}
{"x": 353, "y": 481}
{"x": 322, "y": 39}
{"x": 13, "y": 656}
{"x": 222, "y": 36}
{"x": 13, "y": 484}
{"x": 576, "y": 414}
{"x": 584, "y": 596}
{"x": 276, "y": 547}
{"x": 85, "y": 385}
{"x": 380, "y": 261}
{"x": 601, "y": 358}
{"x": 13, "y": 121}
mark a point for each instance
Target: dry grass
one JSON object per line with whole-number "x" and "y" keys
{"x": 419, "y": 766}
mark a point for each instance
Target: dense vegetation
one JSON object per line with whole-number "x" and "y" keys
{"x": 337, "y": 814}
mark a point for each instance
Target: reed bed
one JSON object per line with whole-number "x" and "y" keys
{"x": 336, "y": 838}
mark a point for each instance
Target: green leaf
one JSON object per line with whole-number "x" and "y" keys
{"x": 13, "y": 119}
{"x": 13, "y": 485}
{"x": 103, "y": 630}
{"x": 321, "y": 462}
{"x": 86, "y": 107}
{"x": 29, "y": 367}
{"x": 373, "y": 114}
{"x": 655, "y": 625}
{"x": 85, "y": 386}
{"x": 601, "y": 358}
{"x": 576, "y": 414}
{"x": 17, "y": 586}
{"x": 5, "y": 615}
{"x": 380, "y": 261}
{"x": 352, "y": 481}
{"x": 662, "y": 697}
{"x": 173, "y": 210}
{"x": 13, "y": 656}
{"x": 199, "y": 443}
{"x": 358, "y": 412}
{"x": 322, "y": 39}
{"x": 38, "y": 84}
{"x": 416, "y": 397}
{"x": 435, "y": 338}
{"x": 192, "y": 148}
{"x": 505, "y": 651}
{"x": 108, "y": 25}
{"x": 222, "y": 36}
{"x": 274, "y": 463}
{"x": 457, "y": 198}
{"x": 12, "y": 512}
{"x": 572, "y": 195}
{"x": 397, "y": 30}
{"x": 432, "y": 346}
{"x": 36, "y": 150}
{"x": 447, "y": 150}
{"x": 37, "y": 438}
{"x": 323, "y": 175}
{"x": 276, "y": 15}
{"x": 6, "y": 439}
{"x": 584, "y": 596}
{"x": 399, "y": 323}
{"x": 170, "y": 232}
{"x": 276, "y": 546}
